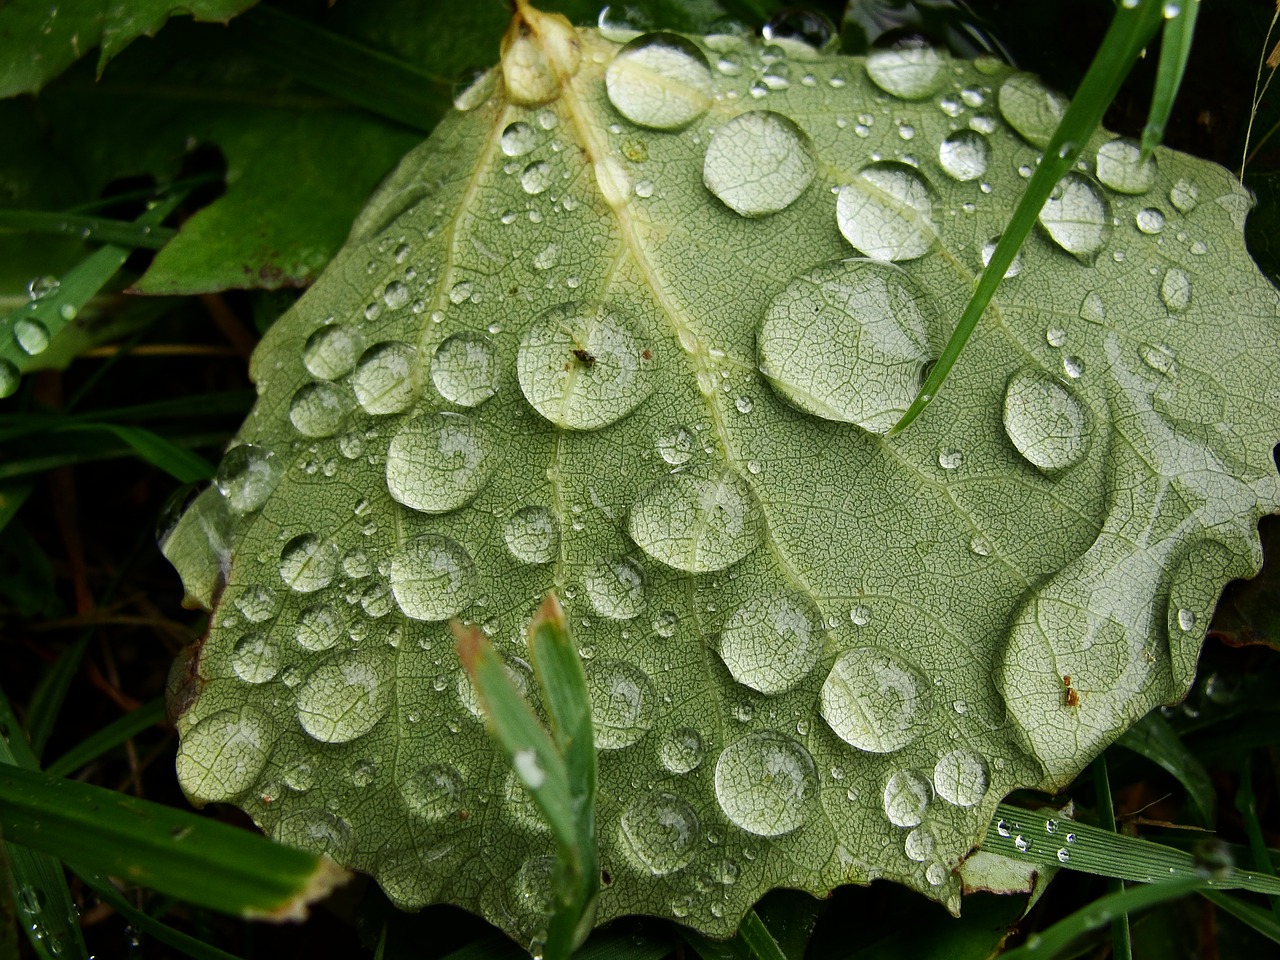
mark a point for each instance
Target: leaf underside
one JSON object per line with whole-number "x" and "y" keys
{"x": 617, "y": 335}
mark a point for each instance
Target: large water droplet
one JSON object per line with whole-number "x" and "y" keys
{"x": 464, "y": 369}
{"x": 1045, "y": 421}
{"x": 697, "y": 521}
{"x": 344, "y": 698}
{"x": 319, "y": 627}
{"x": 800, "y": 33}
{"x": 536, "y": 177}
{"x": 918, "y": 845}
{"x": 907, "y": 796}
{"x": 221, "y": 755}
{"x": 31, "y": 335}
{"x": 875, "y": 701}
{"x": 1184, "y": 195}
{"x": 318, "y": 409}
{"x": 847, "y": 342}
{"x": 615, "y": 588}
{"x": 439, "y": 462}
{"x": 1120, "y": 166}
{"x": 961, "y": 777}
{"x": 1031, "y": 108}
{"x": 255, "y": 658}
{"x": 660, "y": 80}
{"x": 532, "y": 534}
{"x": 9, "y": 378}
{"x": 766, "y": 784}
{"x": 331, "y": 351}
{"x": 317, "y": 831}
{"x": 772, "y": 641}
{"x": 682, "y": 750}
{"x": 585, "y": 365}
{"x": 676, "y": 445}
{"x": 308, "y": 562}
{"x": 758, "y": 163}
{"x": 517, "y": 139}
{"x": 258, "y": 603}
{"x": 661, "y": 831}
{"x": 909, "y": 71}
{"x": 246, "y": 476}
{"x": 1175, "y": 290}
{"x": 434, "y": 792}
{"x": 965, "y": 154}
{"x": 887, "y": 212}
{"x": 383, "y": 380}
{"x": 432, "y": 578}
{"x": 1076, "y": 216}
{"x": 622, "y": 703}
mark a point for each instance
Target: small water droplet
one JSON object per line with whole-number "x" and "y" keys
{"x": 395, "y": 295}
{"x": 1045, "y": 421}
{"x": 758, "y": 163}
{"x": 919, "y": 845}
{"x": 965, "y": 155}
{"x": 344, "y": 699}
{"x": 961, "y": 778}
{"x": 766, "y": 784}
{"x": 1073, "y": 367}
{"x": 518, "y": 139}
{"x": 772, "y": 641}
{"x": 331, "y": 351}
{"x": 665, "y": 623}
{"x": 9, "y": 378}
{"x": 1120, "y": 166}
{"x": 800, "y": 33}
{"x": 432, "y": 578}
{"x": 1149, "y": 220}
{"x": 660, "y": 80}
{"x": 439, "y": 462}
{"x": 681, "y": 751}
{"x": 676, "y": 445}
{"x": 622, "y": 703}
{"x": 433, "y": 793}
{"x": 1092, "y": 308}
{"x": 464, "y": 369}
{"x": 950, "y": 459}
{"x": 1076, "y": 216}
{"x": 1031, "y": 108}
{"x": 532, "y": 534}
{"x": 308, "y": 563}
{"x": 1063, "y": 854}
{"x": 255, "y": 658}
{"x": 31, "y": 335}
{"x": 875, "y": 701}
{"x": 1186, "y": 620}
{"x": 661, "y": 831}
{"x": 911, "y": 71}
{"x": 698, "y": 521}
{"x": 247, "y": 474}
{"x": 1175, "y": 290}
{"x": 1159, "y": 358}
{"x": 1055, "y": 337}
{"x": 1002, "y": 827}
{"x": 886, "y": 212}
{"x": 536, "y": 177}
{"x": 906, "y": 799}
{"x": 320, "y": 627}
{"x": 860, "y": 615}
{"x": 615, "y": 588}
{"x": 1184, "y": 195}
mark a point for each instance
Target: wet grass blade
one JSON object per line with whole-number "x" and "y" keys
{"x": 170, "y": 850}
{"x": 1175, "y": 50}
{"x": 108, "y": 738}
{"x": 1255, "y": 916}
{"x": 1247, "y": 805}
{"x": 1130, "y": 31}
{"x": 1121, "y": 942}
{"x": 93, "y": 229}
{"x": 1152, "y": 737}
{"x": 757, "y": 939}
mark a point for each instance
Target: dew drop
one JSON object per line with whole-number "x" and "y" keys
{"x": 622, "y": 703}
{"x": 875, "y": 701}
{"x": 935, "y": 874}
{"x": 440, "y": 461}
{"x": 395, "y": 295}
{"x": 31, "y": 335}
{"x": 907, "y": 796}
{"x": 433, "y": 793}
{"x": 622, "y": 23}
{"x": 344, "y": 698}
{"x": 432, "y": 578}
{"x": 536, "y": 177}
{"x": 961, "y": 778}
{"x": 255, "y": 658}
{"x": 664, "y": 623}
{"x": 661, "y": 831}
{"x": 532, "y": 535}
{"x": 517, "y": 139}
{"x": 964, "y": 155}
{"x": 547, "y": 257}
{"x": 682, "y": 750}
{"x": 1149, "y": 220}
{"x": 1045, "y": 421}
{"x": 758, "y": 163}
{"x": 847, "y": 342}
{"x": 698, "y": 521}
{"x": 766, "y": 784}
{"x": 919, "y": 845}
{"x": 331, "y": 351}
{"x": 1186, "y": 620}
{"x": 1184, "y": 195}
{"x": 317, "y": 831}
{"x": 247, "y": 474}
{"x": 1076, "y": 216}
{"x": 1055, "y": 337}
{"x": 659, "y": 80}
{"x": 1092, "y": 308}
{"x": 989, "y": 251}
{"x": 222, "y": 754}
{"x": 383, "y": 379}
{"x": 307, "y": 563}
{"x": 676, "y": 445}
{"x": 320, "y": 627}
{"x": 1063, "y": 855}
{"x": 615, "y": 588}
{"x": 950, "y": 459}
{"x": 319, "y": 409}
{"x": 464, "y": 369}
{"x": 9, "y": 378}
{"x": 1175, "y": 290}
{"x": 1119, "y": 165}
{"x": 585, "y": 365}
{"x": 1031, "y": 108}
{"x": 910, "y": 71}
{"x": 887, "y": 212}
{"x": 1159, "y": 358}
{"x": 1073, "y": 367}
{"x": 772, "y": 641}
{"x": 801, "y": 33}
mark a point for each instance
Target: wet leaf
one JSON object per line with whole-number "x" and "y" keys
{"x": 613, "y": 331}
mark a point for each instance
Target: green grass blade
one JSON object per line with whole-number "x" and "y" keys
{"x": 12, "y": 496}
{"x": 170, "y": 850}
{"x": 1260, "y": 919}
{"x": 93, "y": 229}
{"x": 179, "y": 462}
{"x": 1121, "y": 942}
{"x": 1247, "y": 804}
{"x": 757, "y": 939}
{"x": 109, "y": 737}
{"x": 1175, "y": 50}
{"x": 1053, "y": 942}
{"x": 1153, "y": 738}
{"x": 51, "y": 692}
{"x": 649, "y": 945}
{"x": 1130, "y": 31}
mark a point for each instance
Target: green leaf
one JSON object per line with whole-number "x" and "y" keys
{"x": 615, "y": 333}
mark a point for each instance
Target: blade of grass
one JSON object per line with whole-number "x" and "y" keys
{"x": 12, "y": 496}
{"x": 179, "y": 462}
{"x": 91, "y": 445}
{"x": 1130, "y": 31}
{"x": 1152, "y": 737}
{"x": 1247, "y": 804}
{"x": 1121, "y": 943}
{"x": 611, "y": 945}
{"x": 51, "y": 691}
{"x": 109, "y": 737}
{"x": 1260, "y": 91}
{"x": 94, "y": 229}
{"x": 1175, "y": 50}
{"x": 757, "y": 939}
{"x": 1244, "y": 911}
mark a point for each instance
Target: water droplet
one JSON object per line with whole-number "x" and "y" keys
{"x": 434, "y": 792}
{"x": 1184, "y": 195}
{"x": 664, "y": 623}
{"x": 383, "y": 380}
{"x": 766, "y": 784}
{"x": 1045, "y": 421}
{"x": 875, "y": 701}
{"x": 697, "y": 521}
{"x": 1159, "y": 358}
{"x": 1063, "y": 855}
{"x": 989, "y": 251}
{"x": 1186, "y": 620}
{"x": 1149, "y": 220}
{"x": 661, "y": 81}
{"x": 585, "y": 365}
{"x": 9, "y": 378}
{"x": 661, "y": 831}
{"x": 615, "y": 588}
{"x": 473, "y": 87}
{"x": 344, "y": 698}
{"x": 681, "y": 751}
{"x": 887, "y": 212}
{"x": 517, "y": 139}
{"x": 31, "y": 335}
{"x": 799, "y": 32}
{"x": 464, "y": 369}
{"x": 919, "y": 845}
{"x": 1002, "y": 827}
{"x": 950, "y": 459}
{"x": 258, "y": 603}
{"x": 1092, "y": 308}
{"x": 432, "y": 578}
{"x": 1076, "y": 216}
{"x": 676, "y": 445}
{"x": 307, "y": 563}
{"x": 317, "y": 831}
{"x": 395, "y": 295}
{"x": 622, "y": 703}
{"x": 772, "y": 641}
{"x": 255, "y": 658}
{"x": 536, "y": 177}
{"x": 961, "y": 777}
{"x": 847, "y": 342}
{"x": 935, "y": 874}
{"x": 907, "y": 796}
{"x": 318, "y": 409}
{"x": 532, "y": 535}
{"x": 1031, "y": 108}
{"x": 320, "y": 627}
{"x": 247, "y": 474}
{"x": 331, "y": 351}
{"x": 1175, "y": 290}
{"x": 439, "y": 462}
{"x": 222, "y": 754}
{"x": 758, "y": 163}
{"x": 1119, "y": 165}
{"x": 1073, "y": 367}
{"x": 964, "y": 155}
{"x": 911, "y": 71}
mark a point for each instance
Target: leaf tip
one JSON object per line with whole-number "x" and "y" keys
{"x": 471, "y": 644}
{"x": 549, "y": 613}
